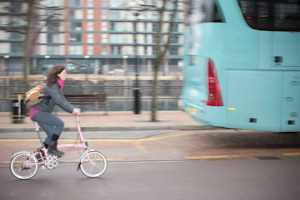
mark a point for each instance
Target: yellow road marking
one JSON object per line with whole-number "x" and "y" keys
{"x": 148, "y": 139}
{"x": 107, "y": 140}
{"x": 140, "y": 147}
{"x": 291, "y": 154}
{"x": 210, "y": 157}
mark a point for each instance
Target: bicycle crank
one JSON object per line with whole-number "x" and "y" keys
{"x": 52, "y": 162}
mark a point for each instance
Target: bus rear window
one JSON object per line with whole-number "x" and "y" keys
{"x": 200, "y": 11}
{"x": 272, "y": 15}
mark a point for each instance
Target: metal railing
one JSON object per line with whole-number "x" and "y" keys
{"x": 119, "y": 97}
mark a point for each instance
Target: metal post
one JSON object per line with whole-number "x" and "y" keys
{"x": 136, "y": 88}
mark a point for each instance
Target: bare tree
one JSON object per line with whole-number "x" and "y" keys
{"x": 35, "y": 17}
{"x": 162, "y": 48}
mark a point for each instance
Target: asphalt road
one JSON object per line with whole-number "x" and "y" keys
{"x": 165, "y": 164}
{"x": 192, "y": 180}
{"x": 165, "y": 144}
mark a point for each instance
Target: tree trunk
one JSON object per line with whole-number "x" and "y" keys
{"x": 27, "y": 45}
{"x": 155, "y": 90}
{"x": 160, "y": 54}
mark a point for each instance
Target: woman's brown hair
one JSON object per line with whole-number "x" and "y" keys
{"x": 52, "y": 75}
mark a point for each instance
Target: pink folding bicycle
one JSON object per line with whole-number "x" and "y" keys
{"x": 24, "y": 165}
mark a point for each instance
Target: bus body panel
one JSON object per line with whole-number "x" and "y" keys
{"x": 276, "y": 106}
{"x": 291, "y": 102}
{"x": 260, "y": 112}
{"x": 286, "y": 45}
{"x": 258, "y": 92}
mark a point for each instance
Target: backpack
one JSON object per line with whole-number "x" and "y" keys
{"x": 34, "y": 95}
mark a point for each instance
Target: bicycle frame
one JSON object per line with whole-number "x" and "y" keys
{"x": 83, "y": 144}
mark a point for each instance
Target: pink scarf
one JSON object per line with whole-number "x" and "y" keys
{"x": 60, "y": 82}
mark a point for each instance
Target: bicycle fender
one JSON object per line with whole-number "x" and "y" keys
{"x": 20, "y": 153}
{"x": 90, "y": 150}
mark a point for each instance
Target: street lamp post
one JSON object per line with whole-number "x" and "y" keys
{"x": 136, "y": 88}
{"x": 136, "y": 8}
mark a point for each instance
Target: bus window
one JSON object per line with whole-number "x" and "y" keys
{"x": 200, "y": 11}
{"x": 279, "y": 15}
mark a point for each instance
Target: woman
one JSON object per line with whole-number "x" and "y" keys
{"x": 42, "y": 112}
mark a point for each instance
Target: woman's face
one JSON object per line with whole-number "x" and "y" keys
{"x": 62, "y": 75}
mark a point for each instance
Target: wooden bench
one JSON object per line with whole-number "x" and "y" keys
{"x": 87, "y": 98}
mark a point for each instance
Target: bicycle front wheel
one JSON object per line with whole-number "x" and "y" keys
{"x": 23, "y": 165}
{"x": 93, "y": 164}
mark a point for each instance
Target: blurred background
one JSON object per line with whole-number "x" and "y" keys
{"x": 101, "y": 42}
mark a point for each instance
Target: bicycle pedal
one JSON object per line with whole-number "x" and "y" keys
{"x": 78, "y": 167}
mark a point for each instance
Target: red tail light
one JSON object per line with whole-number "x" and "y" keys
{"x": 214, "y": 89}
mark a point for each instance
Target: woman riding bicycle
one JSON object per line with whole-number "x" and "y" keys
{"x": 42, "y": 112}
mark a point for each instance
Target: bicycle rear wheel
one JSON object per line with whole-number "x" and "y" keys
{"x": 93, "y": 164}
{"x": 23, "y": 165}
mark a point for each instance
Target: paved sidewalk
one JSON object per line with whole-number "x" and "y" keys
{"x": 113, "y": 121}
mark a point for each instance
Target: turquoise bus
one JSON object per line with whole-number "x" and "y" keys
{"x": 242, "y": 64}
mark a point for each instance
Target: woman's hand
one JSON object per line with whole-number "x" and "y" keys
{"x": 76, "y": 111}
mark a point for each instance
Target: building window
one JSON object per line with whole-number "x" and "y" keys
{"x": 75, "y": 14}
{"x": 174, "y": 51}
{"x": 104, "y": 3}
{"x": 149, "y": 51}
{"x": 115, "y": 14}
{"x": 75, "y": 37}
{"x": 121, "y": 38}
{"x": 16, "y": 36}
{"x": 90, "y": 14}
{"x": 154, "y": 27}
{"x": 75, "y": 3}
{"x": 16, "y": 47}
{"x": 104, "y": 50}
{"x": 104, "y": 14}
{"x": 127, "y": 50}
{"x": 90, "y": 50}
{"x": 104, "y": 38}
{"x": 116, "y": 3}
{"x": 52, "y": 3}
{"x": 90, "y": 3}
{"x": 116, "y": 50}
{"x": 52, "y": 50}
{"x": 4, "y": 35}
{"x": 104, "y": 26}
{"x": 75, "y": 50}
{"x": 175, "y": 27}
{"x": 140, "y": 50}
{"x": 175, "y": 39}
{"x": 140, "y": 39}
{"x": 90, "y": 38}
{"x": 90, "y": 26}
{"x": 112, "y": 26}
{"x": 52, "y": 38}
{"x": 4, "y": 47}
{"x": 75, "y": 26}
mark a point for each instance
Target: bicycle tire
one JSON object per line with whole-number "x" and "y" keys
{"x": 95, "y": 169}
{"x": 18, "y": 165}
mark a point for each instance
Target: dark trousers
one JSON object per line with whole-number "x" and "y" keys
{"x": 50, "y": 124}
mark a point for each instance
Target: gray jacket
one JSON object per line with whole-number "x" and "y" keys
{"x": 55, "y": 97}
